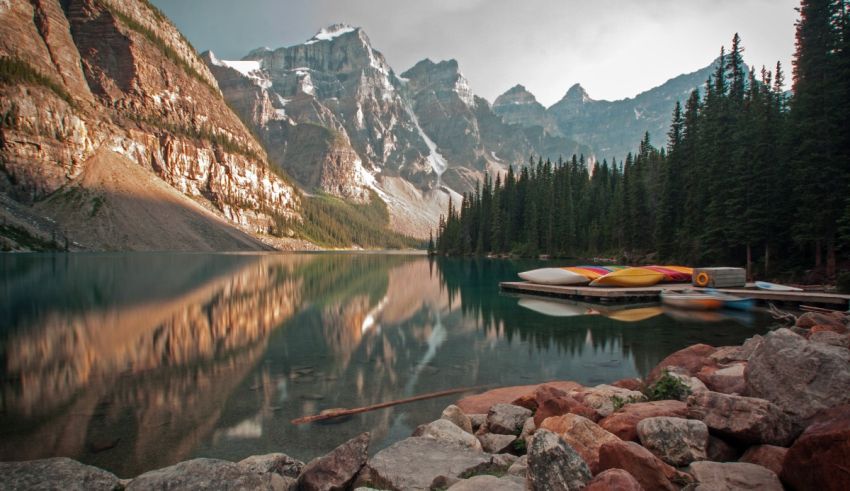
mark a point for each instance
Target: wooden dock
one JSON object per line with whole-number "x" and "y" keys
{"x": 653, "y": 293}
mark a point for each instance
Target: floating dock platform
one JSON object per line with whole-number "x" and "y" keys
{"x": 653, "y": 293}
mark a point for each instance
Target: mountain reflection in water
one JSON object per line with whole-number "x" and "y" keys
{"x": 136, "y": 361}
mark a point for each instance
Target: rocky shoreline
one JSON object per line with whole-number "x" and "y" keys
{"x": 771, "y": 414}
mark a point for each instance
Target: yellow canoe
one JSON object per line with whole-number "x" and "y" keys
{"x": 629, "y": 277}
{"x": 681, "y": 269}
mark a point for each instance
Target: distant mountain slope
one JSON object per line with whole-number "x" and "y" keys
{"x": 107, "y": 83}
{"x": 609, "y": 128}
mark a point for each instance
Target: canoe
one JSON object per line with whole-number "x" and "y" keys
{"x": 553, "y": 276}
{"x": 763, "y": 285}
{"x": 629, "y": 277}
{"x": 555, "y": 309}
{"x": 589, "y": 272}
{"x": 681, "y": 269}
{"x": 691, "y": 300}
{"x": 672, "y": 275}
{"x": 731, "y": 301}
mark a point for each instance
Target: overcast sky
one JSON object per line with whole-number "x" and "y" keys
{"x": 615, "y": 49}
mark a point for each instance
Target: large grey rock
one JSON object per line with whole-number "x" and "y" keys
{"x": 489, "y": 483}
{"x": 458, "y": 417}
{"x": 204, "y": 474}
{"x": 506, "y": 419}
{"x": 279, "y": 463}
{"x": 495, "y": 443}
{"x": 799, "y": 376}
{"x": 744, "y": 419}
{"x": 733, "y": 476}
{"x": 337, "y": 469}
{"x": 415, "y": 463}
{"x": 56, "y": 473}
{"x": 830, "y": 338}
{"x": 676, "y": 441}
{"x": 445, "y": 431}
{"x": 554, "y": 465}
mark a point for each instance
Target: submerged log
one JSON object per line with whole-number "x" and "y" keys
{"x": 348, "y": 412}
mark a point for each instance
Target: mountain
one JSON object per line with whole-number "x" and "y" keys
{"x": 336, "y": 117}
{"x": 614, "y": 128}
{"x": 115, "y": 135}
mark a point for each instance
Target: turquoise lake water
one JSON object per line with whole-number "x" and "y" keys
{"x": 133, "y": 362}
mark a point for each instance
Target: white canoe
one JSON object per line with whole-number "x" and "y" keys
{"x": 553, "y": 276}
{"x": 763, "y": 285}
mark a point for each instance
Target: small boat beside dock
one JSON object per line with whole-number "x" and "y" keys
{"x": 691, "y": 300}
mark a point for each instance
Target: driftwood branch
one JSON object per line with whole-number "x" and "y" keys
{"x": 782, "y": 316}
{"x": 348, "y": 412}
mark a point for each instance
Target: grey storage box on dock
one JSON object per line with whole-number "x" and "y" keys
{"x": 720, "y": 277}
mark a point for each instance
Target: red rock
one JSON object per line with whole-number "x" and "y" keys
{"x": 481, "y": 403}
{"x": 769, "y": 456}
{"x": 629, "y": 383}
{"x": 811, "y": 319}
{"x": 623, "y": 422}
{"x": 691, "y": 359}
{"x": 646, "y": 468}
{"x": 819, "y": 458}
{"x": 582, "y": 434}
{"x": 563, "y": 405}
{"x": 614, "y": 479}
{"x": 828, "y": 328}
{"x": 527, "y": 401}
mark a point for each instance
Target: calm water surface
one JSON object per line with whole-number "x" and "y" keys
{"x": 136, "y": 361}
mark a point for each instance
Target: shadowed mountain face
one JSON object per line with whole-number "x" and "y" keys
{"x": 137, "y": 361}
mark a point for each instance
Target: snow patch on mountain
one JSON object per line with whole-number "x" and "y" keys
{"x": 331, "y": 32}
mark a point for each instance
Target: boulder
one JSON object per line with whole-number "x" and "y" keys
{"x": 830, "y": 338}
{"x": 554, "y": 465}
{"x": 690, "y": 360}
{"x": 527, "y": 401}
{"x": 721, "y": 451}
{"x": 520, "y": 467}
{"x": 506, "y": 419}
{"x": 819, "y": 457}
{"x": 415, "y": 463}
{"x": 56, "y": 473}
{"x": 565, "y": 404}
{"x": 731, "y": 354}
{"x": 277, "y": 463}
{"x": 811, "y": 319}
{"x": 336, "y": 469}
{"x": 769, "y": 456}
{"x": 495, "y": 443}
{"x": 799, "y": 376}
{"x": 582, "y": 434}
{"x": 457, "y": 416}
{"x": 623, "y": 422}
{"x": 693, "y": 384}
{"x": 727, "y": 380}
{"x": 527, "y": 431}
{"x": 489, "y": 483}
{"x": 743, "y": 419}
{"x": 202, "y": 474}
{"x": 650, "y": 471}
{"x": 676, "y": 441}
{"x": 629, "y": 383}
{"x": 477, "y": 420}
{"x": 481, "y": 403}
{"x": 445, "y": 431}
{"x": 614, "y": 479}
{"x": 603, "y": 398}
{"x": 828, "y": 328}
{"x": 733, "y": 476}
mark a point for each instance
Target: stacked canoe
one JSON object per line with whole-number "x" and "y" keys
{"x": 609, "y": 276}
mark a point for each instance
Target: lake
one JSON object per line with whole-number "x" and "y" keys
{"x": 135, "y": 361}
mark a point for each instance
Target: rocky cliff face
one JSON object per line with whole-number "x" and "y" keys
{"x": 336, "y": 117}
{"x": 90, "y": 81}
